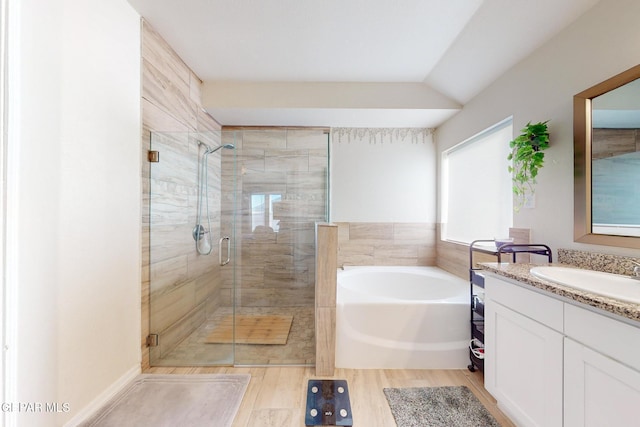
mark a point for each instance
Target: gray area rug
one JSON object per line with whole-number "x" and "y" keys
{"x": 437, "y": 406}
{"x": 174, "y": 400}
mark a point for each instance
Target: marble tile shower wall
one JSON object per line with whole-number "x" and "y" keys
{"x": 179, "y": 284}
{"x": 275, "y": 261}
{"x": 387, "y": 243}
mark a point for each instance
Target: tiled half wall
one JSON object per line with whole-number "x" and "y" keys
{"x": 386, "y": 243}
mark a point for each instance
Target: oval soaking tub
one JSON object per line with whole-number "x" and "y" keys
{"x": 402, "y": 318}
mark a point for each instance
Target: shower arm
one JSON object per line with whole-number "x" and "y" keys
{"x": 209, "y": 150}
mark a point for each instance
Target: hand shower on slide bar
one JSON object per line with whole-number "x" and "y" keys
{"x": 203, "y": 244}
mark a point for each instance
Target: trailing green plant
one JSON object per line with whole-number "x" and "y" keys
{"x": 527, "y": 158}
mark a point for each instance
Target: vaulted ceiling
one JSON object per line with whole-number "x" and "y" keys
{"x": 369, "y": 63}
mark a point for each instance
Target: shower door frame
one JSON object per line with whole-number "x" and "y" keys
{"x": 232, "y": 172}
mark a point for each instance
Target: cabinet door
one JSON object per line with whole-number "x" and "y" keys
{"x": 599, "y": 391}
{"x": 523, "y": 366}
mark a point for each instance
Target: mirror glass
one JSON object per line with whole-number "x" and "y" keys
{"x": 606, "y": 132}
{"x": 615, "y": 161}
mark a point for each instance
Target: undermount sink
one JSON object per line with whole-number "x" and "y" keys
{"x": 597, "y": 282}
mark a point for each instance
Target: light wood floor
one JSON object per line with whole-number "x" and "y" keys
{"x": 276, "y": 396}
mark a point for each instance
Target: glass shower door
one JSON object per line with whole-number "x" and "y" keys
{"x": 279, "y": 193}
{"x": 256, "y": 206}
{"x": 186, "y": 278}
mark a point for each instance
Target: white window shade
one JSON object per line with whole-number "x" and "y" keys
{"x": 476, "y": 193}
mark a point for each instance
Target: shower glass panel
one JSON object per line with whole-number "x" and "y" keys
{"x": 281, "y": 184}
{"x": 257, "y": 208}
{"x": 185, "y": 274}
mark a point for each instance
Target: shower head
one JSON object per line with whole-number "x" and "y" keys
{"x": 213, "y": 150}
{"x": 209, "y": 150}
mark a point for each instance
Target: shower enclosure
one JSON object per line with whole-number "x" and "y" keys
{"x": 232, "y": 218}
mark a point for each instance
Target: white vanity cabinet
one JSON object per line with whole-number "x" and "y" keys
{"x": 554, "y": 363}
{"x": 601, "y": 370}
{"x": 523, "y": 353}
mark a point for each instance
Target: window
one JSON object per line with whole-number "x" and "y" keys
{"x": 476, "y": 186}
{"x": 262, "y": 211}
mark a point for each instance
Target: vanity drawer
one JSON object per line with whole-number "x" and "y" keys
{"x": 541, "y": 308}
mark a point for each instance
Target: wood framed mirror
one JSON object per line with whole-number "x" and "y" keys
{"x": 606, "y": 137}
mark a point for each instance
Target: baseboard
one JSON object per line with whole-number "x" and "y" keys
{"x": 104, "y": 397}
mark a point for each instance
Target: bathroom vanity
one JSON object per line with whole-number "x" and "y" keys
{"x": 557, "y": 356}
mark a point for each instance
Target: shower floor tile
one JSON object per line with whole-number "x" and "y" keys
{"x": 299, "y": 349}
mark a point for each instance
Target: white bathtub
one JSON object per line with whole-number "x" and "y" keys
{"x": 402, "y": 318}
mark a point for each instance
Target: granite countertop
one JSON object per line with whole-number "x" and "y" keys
{"x": 520, "y": 272}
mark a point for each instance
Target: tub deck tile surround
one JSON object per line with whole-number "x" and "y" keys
{"x": 396, "y": 255}
{"x": 325, "y": 340}
{"x": 355, "y": 254}
{"x": 386, "y": 243}
{"x": 454, "y": 257}
{"x": 370, "y": 231}
{"x": 325, "y": 297}
{"x": 412, "y": 233}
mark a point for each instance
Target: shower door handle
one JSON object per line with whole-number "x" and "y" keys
{"x": 222, "y": 239}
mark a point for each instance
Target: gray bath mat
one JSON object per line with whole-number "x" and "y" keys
{"x": 174, "y": 400}
{"x": 438, "y": 407}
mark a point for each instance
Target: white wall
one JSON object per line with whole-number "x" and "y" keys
{"x": 382, "y": 175}
{"x": 603, "y": 42}
{"x": 74, "y": 203}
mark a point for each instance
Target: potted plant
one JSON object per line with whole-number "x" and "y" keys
{"x": 527, "y": 158}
